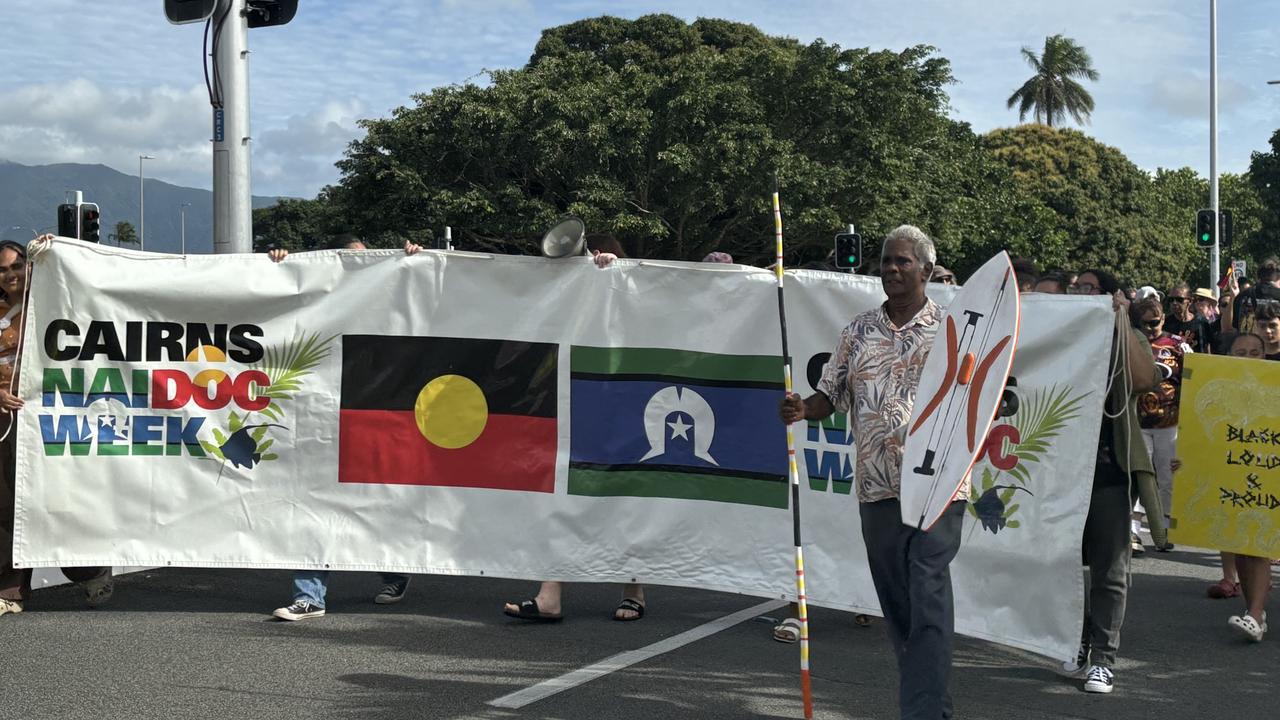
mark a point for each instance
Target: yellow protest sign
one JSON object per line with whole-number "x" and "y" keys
{"x": 1226, "y": 496}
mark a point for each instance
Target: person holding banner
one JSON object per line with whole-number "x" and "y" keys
{"x": 15, "y": 585}
{"x": 1254, "y": 572}
{"x": 1122, "y": 463}
{"x": 873, "y": 375}
{"x": 544, "y": 607}
{"x": 311, "y": 586}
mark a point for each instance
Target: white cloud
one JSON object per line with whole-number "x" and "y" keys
{"x": 117, "y": 79}
{"x": 79, "y": 121}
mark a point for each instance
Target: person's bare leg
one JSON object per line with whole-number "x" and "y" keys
{"x": 1255, "y": 582}
{"x": 1229, "y": 568}
{"x": 548, "y": 599}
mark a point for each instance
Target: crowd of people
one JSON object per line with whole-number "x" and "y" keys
{"x": 872, "y": 376}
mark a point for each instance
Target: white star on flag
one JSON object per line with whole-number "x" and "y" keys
{"x": 679, "y": 429}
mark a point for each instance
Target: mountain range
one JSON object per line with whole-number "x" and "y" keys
{"x": 30, "y": 195}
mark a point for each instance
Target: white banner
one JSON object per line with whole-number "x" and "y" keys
{"x": 509, "y": 416}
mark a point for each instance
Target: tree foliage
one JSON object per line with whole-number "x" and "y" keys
{"x": 1114, "y": 215}
{"x": 1264, "y": 178}
{"x": 1054, "y": 91}
{"x": 668, "y": 135}
{"x": 294, "y": 224}
{"x": 125, "y": 234}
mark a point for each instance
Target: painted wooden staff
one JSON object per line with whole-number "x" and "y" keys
{"x": 806, "y": 687}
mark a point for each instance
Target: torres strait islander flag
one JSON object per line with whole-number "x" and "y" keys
{"x": 651, "y": 422}
{"x": 448, "y": 411}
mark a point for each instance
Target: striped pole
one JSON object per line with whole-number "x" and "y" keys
{"x": 806, "y": 687}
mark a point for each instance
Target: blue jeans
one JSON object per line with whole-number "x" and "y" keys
{"x": 310, "y": 585}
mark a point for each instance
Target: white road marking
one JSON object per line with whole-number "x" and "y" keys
{"x": 547, "y": 688}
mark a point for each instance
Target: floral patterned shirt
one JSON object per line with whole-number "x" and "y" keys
{"x": 872, "y": 375}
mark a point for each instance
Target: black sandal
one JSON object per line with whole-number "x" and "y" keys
{"x": 530, "y": 611}
{"x": 634, "y": 606}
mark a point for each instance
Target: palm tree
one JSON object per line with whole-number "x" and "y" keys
{"x": 125, "y": 234}
{"x": 1053, "y": 91}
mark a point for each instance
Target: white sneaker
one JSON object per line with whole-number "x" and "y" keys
{"x": 300, "y": 610}
{"x": 10, "y": 606}
{"x": 1099, "y": 680}
{"x": 1076, "y": 667}
{"x": 1250, "y": 627}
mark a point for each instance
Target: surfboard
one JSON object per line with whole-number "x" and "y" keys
{"x": 960, "y": 389}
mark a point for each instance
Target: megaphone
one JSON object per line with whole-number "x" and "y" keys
{"x": 566, "y": 238}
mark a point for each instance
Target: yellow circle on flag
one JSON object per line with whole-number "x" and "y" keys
{"x": 451, "y": 411}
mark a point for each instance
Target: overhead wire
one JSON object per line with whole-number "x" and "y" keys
{"x": 217, "y": 35}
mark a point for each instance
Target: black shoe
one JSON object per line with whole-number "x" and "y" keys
{"x": 300, "y": 610}
{"x": 392, "y": 592}
{"x": 1099, "y": 680}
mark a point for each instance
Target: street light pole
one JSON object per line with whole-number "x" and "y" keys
{"x": 232, "y": 191}
{"x": 183, "y": 211}
{"x": 142, "y": 214}
{"x": 1214, "y": 253}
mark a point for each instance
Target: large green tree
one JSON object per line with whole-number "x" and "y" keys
{"x": 1115, "y": 216}
{"x": 294, "y": 224}
{"x": 1264, "y": 176}
{"x": 1054, "y": 91}
{"x": 668, "y": 135}
{"x": 1101, "y": 202}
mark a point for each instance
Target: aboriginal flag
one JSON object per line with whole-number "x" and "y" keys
{"x": 448, "y": 411}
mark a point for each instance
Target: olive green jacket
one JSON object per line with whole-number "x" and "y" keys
{"x": 1132, "y": 456}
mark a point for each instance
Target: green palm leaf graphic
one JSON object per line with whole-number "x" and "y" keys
{"x": 1046, "y": 413}
{"x": 288, "y": 364}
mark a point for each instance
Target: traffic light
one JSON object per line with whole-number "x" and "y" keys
{"x": 1224, "y": 229}
{"x": 264, "y": 13}
{"x": 68, "y": 221}
{"x": 849, "y": 251}
{"x": 89, "y": 224}
{"x": 188, "y": 11}
{"x": 1204, "y": 229}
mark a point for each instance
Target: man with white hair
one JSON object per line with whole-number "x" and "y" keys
{"x": 873, "y": 375}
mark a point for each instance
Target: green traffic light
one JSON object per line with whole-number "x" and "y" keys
{"x": 853, "y": 259}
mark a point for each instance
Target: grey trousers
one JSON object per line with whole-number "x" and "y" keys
{"x": 913, "y": 582}
{"x": 1106, "y": 551}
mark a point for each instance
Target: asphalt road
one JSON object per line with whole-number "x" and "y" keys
{"x": 182, "y": 643}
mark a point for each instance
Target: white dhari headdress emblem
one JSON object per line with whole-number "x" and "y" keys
{"x": 672, "y": 399}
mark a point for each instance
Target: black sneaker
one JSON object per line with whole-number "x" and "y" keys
{"x": 392, "y": 592}
{"x": 1099, "y": 680}
{"x": 300, "y": 610}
